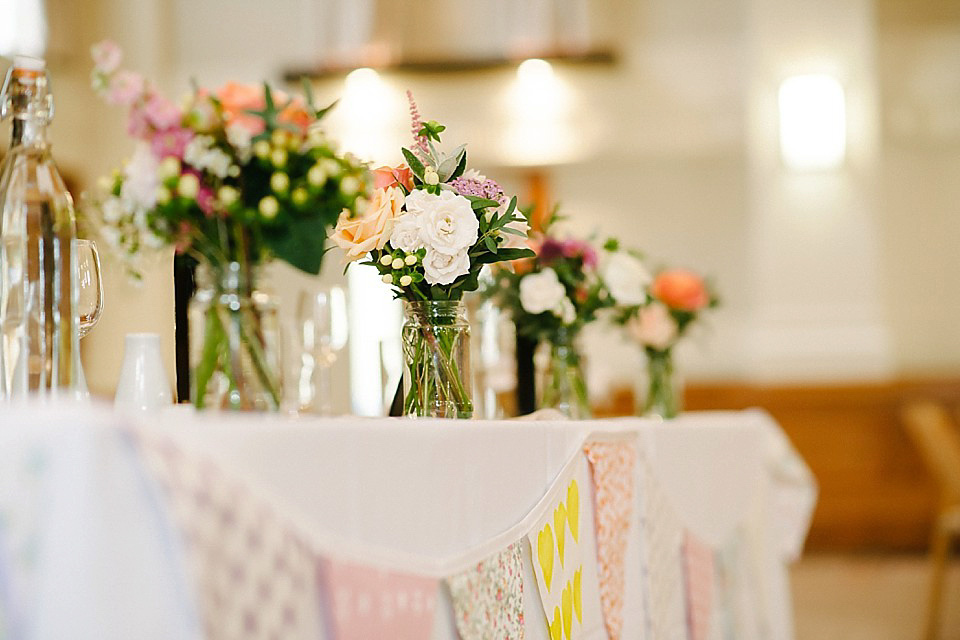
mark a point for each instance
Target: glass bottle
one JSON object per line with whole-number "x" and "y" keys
{"x": 39, "y": 326}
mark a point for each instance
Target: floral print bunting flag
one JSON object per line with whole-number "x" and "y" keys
{"x": 612, "y": 464}
{"x": 488, "y": 598}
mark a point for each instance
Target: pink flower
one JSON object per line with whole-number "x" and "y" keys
{"x": 125, "y": 88}
{"x": 680, "y": 289}
{"x": 206, "y": 200}
{"x": 171, "y": 142}
{"x": 162, "y": 113}
{"x": 106, "y": 56}
{"x": 654, "y": 327}
{"x": 137, "y": 125}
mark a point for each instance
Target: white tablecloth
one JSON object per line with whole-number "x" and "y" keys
{"x": 90, "y": 549}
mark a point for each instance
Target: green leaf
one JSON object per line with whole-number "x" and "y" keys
{"x": 481, "y": 203}
{"x": 460, "y": 167}
{"x": 413, "y": 162}
{"x": 491, "y": 243}
{"x": 301, "y": 243}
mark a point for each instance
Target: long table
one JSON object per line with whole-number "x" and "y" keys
{"x": 187, "y": 525}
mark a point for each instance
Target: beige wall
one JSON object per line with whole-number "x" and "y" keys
{"x": 663, "y": 162}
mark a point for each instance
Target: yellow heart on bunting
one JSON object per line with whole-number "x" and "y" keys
{"x": 577, "y": 599}
{"x": 573, "y": 509}
{"x": 566, "y": 601}
{"x": 545, "y": 554}
{"x": 556, "y": 629}
{"x": 560, "y": 528}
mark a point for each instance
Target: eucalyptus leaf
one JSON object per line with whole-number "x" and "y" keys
{"x": 413, "y": 162}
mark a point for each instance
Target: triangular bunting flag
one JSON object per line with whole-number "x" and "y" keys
{"x": 488, "y": 598}
{"x": 613, "y": 472}
{"x": 557, "y": 553}
{"x": 699, "y": 575}
{"x": 364, "y": 602}
{"x": 251, "y": 569}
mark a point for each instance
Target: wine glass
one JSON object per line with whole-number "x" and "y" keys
{"x": 322, "y": 316}
{"x": 90, "y": 286}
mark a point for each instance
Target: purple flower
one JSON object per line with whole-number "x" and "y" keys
{"x": 573, "y": 248}
{"x": 550, "y": 250}
{"x": 125, "y": 88}
{"x": 487, "y": 188}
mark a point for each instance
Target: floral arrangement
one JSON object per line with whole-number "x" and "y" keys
{"x": 673, "y": 301}
{"x": 552, "y": 295}
{"x": 232, "y": 177}
{"x": 242, "y": 173}
{"x": 429, "y": 228}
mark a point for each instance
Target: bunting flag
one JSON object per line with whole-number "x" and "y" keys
{"x": 252, "y": 572}
{"x": 612, "y": 464}
{"x": 662, "y": 570}
{"x": 699, "y": 575}
{"x": 558, "y": 562}
{"x": 488, "y": 598}
{"x": 365, "y": 602}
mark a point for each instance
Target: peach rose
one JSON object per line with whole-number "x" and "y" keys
{"x": 371, "y": 229}
{"x": 680, "y": 289}
{"x": 390, "y": 176}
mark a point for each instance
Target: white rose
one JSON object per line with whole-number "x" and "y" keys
{"x": 653, "y": 326}
{"x": 444, "y": 268}
{"x": 565, "y": 311}
{"x": 447, "y": 221}
{"x": 540, "y": 292}
{"x": 626, "y": 278}
{"x": 406, "y": 233}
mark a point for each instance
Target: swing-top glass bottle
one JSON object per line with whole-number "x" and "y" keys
{"x": 39, "y": 326}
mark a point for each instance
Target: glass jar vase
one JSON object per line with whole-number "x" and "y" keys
{"x": 564, "y": 386}
{"x": 663, "y": 394}
{"x": 235, "y": 351}
{"x": 437, "y": 378}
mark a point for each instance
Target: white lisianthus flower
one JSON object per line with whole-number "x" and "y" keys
{"x": 140, "y": 179}
{"x": 626, "y": 278}
{"x": 653, "y": 326}
{"x": 444, "y": 268}
{"x": 447, "y": 221}
{"x": 201, "y": 154}
{"x": 541, "y": 292}
{"x": 565, "y": 311}
{"x": 406, "y": 233}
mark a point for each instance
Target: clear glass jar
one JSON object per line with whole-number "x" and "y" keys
{"x": 437, "y": 379}
{"x": 664, "y": 393}
{"x": 564, "y": 386}
{"x": 235, "y": 348}
{"x": 39, "y": 322}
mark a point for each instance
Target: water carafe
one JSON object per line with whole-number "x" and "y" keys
{"x": 39, "y": 326}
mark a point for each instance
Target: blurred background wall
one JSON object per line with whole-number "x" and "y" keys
{"x": 839, "y": 286}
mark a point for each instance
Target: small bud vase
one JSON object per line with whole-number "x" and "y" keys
{"x": 437, "y": 379}
{"x": 663, "y": 395}
{"x": 564, "y": 386}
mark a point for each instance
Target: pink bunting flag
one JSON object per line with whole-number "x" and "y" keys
{"x": 488, "y": 597}
{"x": 364, "y": 602}
{"x": 699, "y": 576}
{"x": 612, "y": 464}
